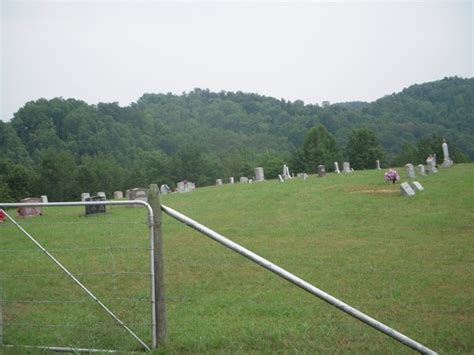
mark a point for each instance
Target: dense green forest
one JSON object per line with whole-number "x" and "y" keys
{"x": 62, "y": 147}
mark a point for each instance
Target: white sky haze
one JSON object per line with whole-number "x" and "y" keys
{"x": 109, "y": 51}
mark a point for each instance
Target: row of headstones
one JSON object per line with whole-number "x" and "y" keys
{"x": 259, "y": 176}
{"x": 408, "y": 189}
{"x": 410, "y": 170}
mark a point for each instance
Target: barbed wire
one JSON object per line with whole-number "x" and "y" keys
{"x": 120, "y": 299}
{"x": 87, "y": 326}
{"x": 114, "y": 248}
{"x": 60, "y": 274}
{"x": 35, "y": 223}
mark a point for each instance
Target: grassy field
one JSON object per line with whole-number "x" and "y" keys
{"x": 407, "y": 262}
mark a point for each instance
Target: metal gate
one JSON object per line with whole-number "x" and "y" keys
{"x": 158, "y": 332}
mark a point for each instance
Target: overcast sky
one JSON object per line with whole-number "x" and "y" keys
{"x": 105, "y": 51}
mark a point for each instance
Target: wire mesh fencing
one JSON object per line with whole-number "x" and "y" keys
{"x": 108, "y": 252}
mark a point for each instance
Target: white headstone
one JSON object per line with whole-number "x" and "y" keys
{"x": 410, "y": 170}
{"x": 231, "y": 180}
{"x": 101, "y": 194}
{"x": 165, "y": 189}
{"x": 244, "y": 180}
{"x": 286, "y": 172}
{"x": 180, "y": 186}
{"x": 305, "y": 176}
{"x": 431, "y": 164}
{"x": 377, "y": 162}
{"x": 44, "y": 198}
{"x": 259, "y": 174}
{"x": 447, "y": 162}
{"x": 118, "y": 195}
{"x": 421, "y": 170}
{"x": 336, "y": 168}
{"x": 280, "y": 178}
{"x": 406, "y": 189}
{"x": 417, "y": 186}
{"x": 85, "y": 195}
{"x": 346, "y": 167}
{"x": 219, "y": 182}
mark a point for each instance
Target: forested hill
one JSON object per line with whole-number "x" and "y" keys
{"x": 202, "y": 135}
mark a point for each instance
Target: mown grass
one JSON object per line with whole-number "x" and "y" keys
{"x": 405, "y": 261}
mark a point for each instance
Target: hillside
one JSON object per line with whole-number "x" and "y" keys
{"x": 404, "y": 261}
{"x": 201, "y": 135}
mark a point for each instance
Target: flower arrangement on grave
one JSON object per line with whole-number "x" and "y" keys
{"x": 391, "y": 176}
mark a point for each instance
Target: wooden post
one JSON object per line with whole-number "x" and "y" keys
{"x": 160, "y": 309}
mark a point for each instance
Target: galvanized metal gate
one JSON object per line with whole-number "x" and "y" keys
{"x": 151, "y": 226}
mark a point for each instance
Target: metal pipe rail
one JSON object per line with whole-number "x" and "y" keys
{"x": 95, "y": 203}
{"x": 298, "y": 282}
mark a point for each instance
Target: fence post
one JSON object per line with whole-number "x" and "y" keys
{"x": 160, "y": 309}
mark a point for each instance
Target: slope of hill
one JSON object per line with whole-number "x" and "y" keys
{"x": 404, "y": 261}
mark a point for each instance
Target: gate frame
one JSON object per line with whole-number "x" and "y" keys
{"x": 154, "y": 216}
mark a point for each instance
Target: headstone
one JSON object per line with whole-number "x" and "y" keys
{"x": 421, "y": 170}
{"x": 431, "y": 164}
{"x": 377, "y": 162}
{"x": 346, "y": 167}
{"x": 321, "y": 170}
{"x": 286, "y": 172}
{"x": 250, "y": 181}
{"x": 447, "y": 162}
{"x": 259, "y": 174}
{"x": 30, "y": 211}
{"x": 244, "y": 180}
{"x": 44, "y": 198}
{"x": 280, "y": 178}
{"x": 127, "y": 194}
{"x": 305, "y": 176}
{"x": 231, "y": 180}
{"x": 410, "y": 171}
{"x": 93, "y": 209}
{"x": 406, "y": 189}
{"x": 417, "y": 186}
{"x": 118, "y": 195}
{"x": 85, "y": 195}
{"x": 165, "y": 189}
{"x": 219, "y": 182}
{"x": 102, "y": 194}
{"x": 138, "y": 193}
{"x": 336, "y": 168}
{"x": 185, "y": 186}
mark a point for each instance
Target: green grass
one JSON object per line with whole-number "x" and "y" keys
{"x": 407, "y": 262}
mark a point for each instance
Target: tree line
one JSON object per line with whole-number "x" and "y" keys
{"x": 62, "y": 147}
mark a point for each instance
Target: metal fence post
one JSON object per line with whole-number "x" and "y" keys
{"x": 160, "y": 307}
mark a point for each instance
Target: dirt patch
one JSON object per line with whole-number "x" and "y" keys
{"x": 380, "y": 191}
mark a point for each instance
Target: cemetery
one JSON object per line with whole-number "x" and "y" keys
{"x": 395, "y": 276}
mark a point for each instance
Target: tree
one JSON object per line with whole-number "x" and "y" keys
{"x": 57, "y": 175}
{"x": 319, "y": 147}
{"x": 363, "y": 149}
